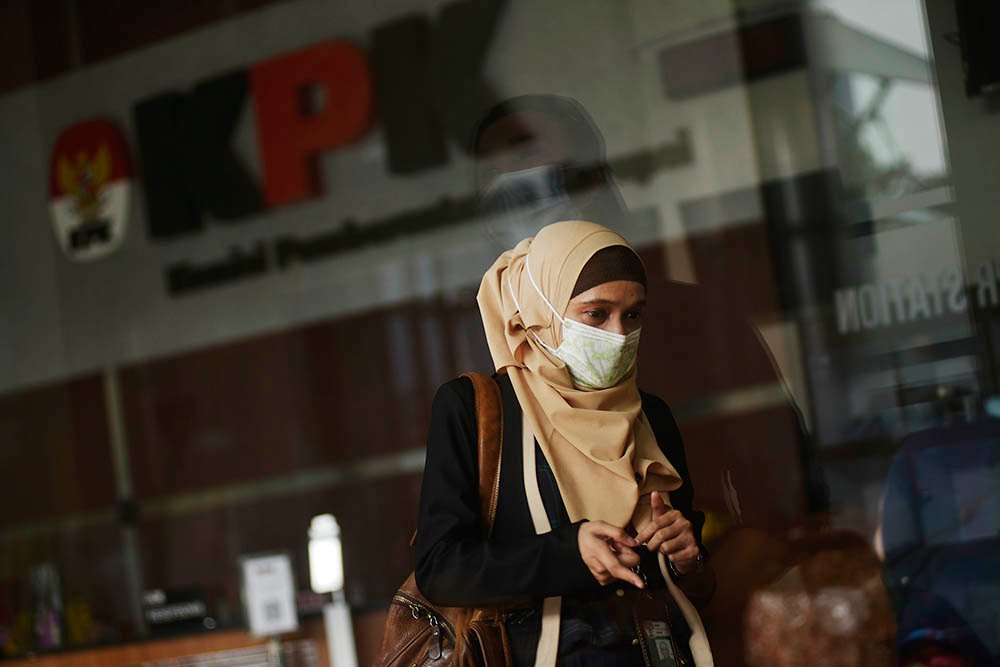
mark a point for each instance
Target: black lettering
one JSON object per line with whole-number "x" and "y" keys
{"x": 351, "y": 236}
{"x": 221, "y": 182}
{"x": 189, "y": 166}
{"x": 86, "y": 235}
{"x": 171, "y": 208}
{"x": 462, "y": 40}
{"x": 401, "y": 60}
{"x": 186, "y": 277}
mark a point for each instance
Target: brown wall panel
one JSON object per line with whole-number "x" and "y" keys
{"x": 55, "y": 451}
{"x": 699, "y": 339}
{"x": 365, "y": 380}
{"x": 215, "y": 416}
{"x": 201, "y": 548}
{"x": 761, "y": 452}
{"x": 111, "y": 27}
{"x": 325, "y": 394}
{"x": 736, "y": 261}
{"x": 34, "y": 41}
{"x": 37, "y": 36}
{"x": 17, "y": 48}
{"x": 696, "y": 342}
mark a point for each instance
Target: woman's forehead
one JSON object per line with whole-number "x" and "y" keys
{"x": 619, "y": 292}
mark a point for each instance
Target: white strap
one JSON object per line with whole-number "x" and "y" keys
{"x": 700, "y": 649}
{"x": 518, "y": 306}
{"x": 510, "y": 286}
{"x": 527, "y": 267}
{"x": 548, "y": 641}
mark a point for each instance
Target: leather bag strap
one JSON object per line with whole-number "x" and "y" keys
{"x": 489, "y": 427}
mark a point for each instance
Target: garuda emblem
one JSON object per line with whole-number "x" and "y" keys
{"x": 91, "y": 177}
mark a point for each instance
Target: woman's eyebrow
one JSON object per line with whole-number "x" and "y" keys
{"x": 610, "y": 302}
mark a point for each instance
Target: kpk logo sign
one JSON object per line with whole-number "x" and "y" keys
{"x": 90, "y": 184}
{"x": 421, "y": 80}
{"x": 425, "y": 72}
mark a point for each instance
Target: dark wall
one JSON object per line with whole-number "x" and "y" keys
{"x": 40, "y": 39}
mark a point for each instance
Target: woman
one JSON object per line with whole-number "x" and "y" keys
{"x": 595, "y": 500}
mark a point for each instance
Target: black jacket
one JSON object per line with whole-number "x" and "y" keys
{"x": 455, "y": 565}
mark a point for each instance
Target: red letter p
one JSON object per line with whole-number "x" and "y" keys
{"x": 289, "y": 133}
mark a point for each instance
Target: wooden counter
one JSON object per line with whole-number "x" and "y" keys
{"x": 367, "y": 632}
{"x": 137, "y": 653}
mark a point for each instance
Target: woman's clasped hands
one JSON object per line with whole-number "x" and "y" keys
{"x": 609, "y": 551}
{"x": 671, "y": 533}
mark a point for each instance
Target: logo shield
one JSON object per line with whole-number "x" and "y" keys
{"x": 90, "y": 189}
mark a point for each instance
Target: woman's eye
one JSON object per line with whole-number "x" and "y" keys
{"x": 595, "y": 314}
{"x": 633, "y": 315}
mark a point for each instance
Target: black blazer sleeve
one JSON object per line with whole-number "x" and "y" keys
{"x": 455, "y": 564}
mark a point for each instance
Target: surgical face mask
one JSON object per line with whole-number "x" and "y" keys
{"x": 595, "y": 358}
{"x": 519, "y": 203}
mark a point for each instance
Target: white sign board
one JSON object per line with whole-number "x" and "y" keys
{"x": 269, "y": 594}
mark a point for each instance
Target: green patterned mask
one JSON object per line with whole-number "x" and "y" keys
{"x": 595, "y": 358}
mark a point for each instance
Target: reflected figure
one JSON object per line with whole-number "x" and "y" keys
{"x": 541, "y": 159}
{"x": 941, "y": 539}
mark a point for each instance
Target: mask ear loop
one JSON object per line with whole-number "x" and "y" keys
{"x": 510, "y": 286}
{"x": 555, "y": 312}
{"x": 517, "y": 305}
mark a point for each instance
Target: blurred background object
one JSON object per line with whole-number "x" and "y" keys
{"x": 829, "y": 608}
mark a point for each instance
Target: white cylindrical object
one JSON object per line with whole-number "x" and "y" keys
{"x": 340, "y": 633}
{"x": 326, "y": 559}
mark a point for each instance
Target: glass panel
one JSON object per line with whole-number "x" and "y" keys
{"x": 242, "y": 250}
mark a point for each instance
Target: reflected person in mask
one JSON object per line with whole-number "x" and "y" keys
{"x": 541, "y": 159}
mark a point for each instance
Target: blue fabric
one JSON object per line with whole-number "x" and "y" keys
{"x": 941, "y": 534}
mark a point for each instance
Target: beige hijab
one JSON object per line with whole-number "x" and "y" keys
{"x": 598, "y": 442}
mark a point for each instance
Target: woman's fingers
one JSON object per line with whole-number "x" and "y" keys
{"x": 659, "y": 523}
{"x": 656, "y": 523}
{"x": 597, "y": 569}
{"x": 619, "y": 571}
{"x": 607, "y": 553}
{"x": 614, "y": 533}
{"x": 676, "y": 547}
{"x": 675, "y": 536}
{"x": 656, "y": 503}
{"x": 619, "y": 565}
{"x": 627, "y": 557}
{"x": 664, "y": 536}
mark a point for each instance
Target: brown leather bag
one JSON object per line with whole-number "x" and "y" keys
{"x": 421, "y": 634}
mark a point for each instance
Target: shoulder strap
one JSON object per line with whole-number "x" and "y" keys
{"x": 489, "y": 427}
